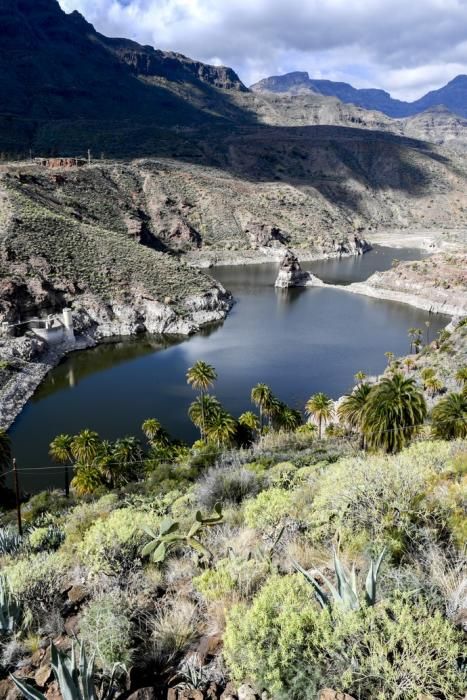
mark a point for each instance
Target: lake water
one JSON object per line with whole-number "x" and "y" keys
{"x": 298, "y": 341}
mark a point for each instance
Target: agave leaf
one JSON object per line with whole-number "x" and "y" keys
{"x": 28, "y": 691}
{"x": 62, "y": 673}
{"x": 379, "y": 561}
{"x": 322, "y": 597}
{"x": 371, "y": 579}
{"x": 86, "y": 671}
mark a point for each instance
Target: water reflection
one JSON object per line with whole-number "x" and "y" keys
{"x": 299, "y": 341}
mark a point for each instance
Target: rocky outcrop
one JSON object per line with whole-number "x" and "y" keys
{"x": 95, "y": 321}
{"x": 291, "y": 274}
{"x": 266, "y": 236}
{"x": 353, "y": 246}
{"x": 437, "y": 284}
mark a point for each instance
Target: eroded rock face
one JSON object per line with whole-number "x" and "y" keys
{"x": 291, "y": 274}
{"x": 265, "y": 236}
{"x": 354, "y": 246}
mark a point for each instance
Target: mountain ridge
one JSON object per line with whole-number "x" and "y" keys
{"x": 453, "y": 95}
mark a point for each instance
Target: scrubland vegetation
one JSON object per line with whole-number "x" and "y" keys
{"x": 287, "y": 556}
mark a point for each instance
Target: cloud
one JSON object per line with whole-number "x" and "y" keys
{"x": 406, "y": 47}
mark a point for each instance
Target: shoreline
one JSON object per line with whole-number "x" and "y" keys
{"x": 20, "y": 388}
{"x": 386, "y": 294}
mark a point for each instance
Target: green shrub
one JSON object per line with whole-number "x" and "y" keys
{"x": 46, "y": 539}
{"x": 396, "y": 650}
{"x": 232, "y": 575}
{"x": 105, "y": 630}
{"x": 113, "y": 543}
{"x": 404, "y": 651}
{"x": 83, "y": 516}
{"x": 268, "y": 509}
{"x": 282, "y": 474}
{"x": 382, "y": 496}
{"x": 226, "y": 484}
{"x": 45, "y": 503}
{"x": 36, "y": 581}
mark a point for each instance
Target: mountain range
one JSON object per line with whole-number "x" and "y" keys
{"x": 453, "y": 96}
{"x": 64, "y": 88}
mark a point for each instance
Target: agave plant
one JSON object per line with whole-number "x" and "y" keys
{"x": 346, "y": 593}
{"x": 9, "y": 610}
{"x": 76, "y": 680}
{"x": 10, "y": 541}
{"x": 169, "y": 536}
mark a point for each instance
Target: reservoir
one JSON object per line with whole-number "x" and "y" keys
{"x": 298, "y": 341}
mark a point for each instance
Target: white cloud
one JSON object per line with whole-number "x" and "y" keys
{"x": 405, "y": 47}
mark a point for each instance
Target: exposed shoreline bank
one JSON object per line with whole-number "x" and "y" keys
{"x": 19, "y": 390}
{"x": 22, "y": 385}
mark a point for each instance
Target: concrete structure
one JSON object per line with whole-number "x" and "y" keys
{"x": 54, "y": 329}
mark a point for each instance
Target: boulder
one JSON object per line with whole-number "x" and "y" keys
{"x": 291, "y": 274}
{"x": 246, "y": 692}
{"x": 329, "y": 694}
{"x": 43, "y": 675}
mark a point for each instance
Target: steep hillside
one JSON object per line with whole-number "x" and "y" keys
{"x": 56, "y": 67}
{"x": 114, "y": 230}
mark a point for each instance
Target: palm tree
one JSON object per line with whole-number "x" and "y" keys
{"x": 351, "y": 410}
{"x": 85, "y": 446}
{"x": 461, "y": 375}
{"x": 222, "y": 428}
{"x": 321, "y": 408}
{"x": 125, "y": 455}
{"x": 389, "y": 357}
{"x": 287, "y": 419}
{"x": 450, "y": 417}
{"x": 427, "y": 373}
{"x": 393, "y": 414}
{"x": 249, "y": 420}
{"x": 154, "y": 432}
{"x": 203, "y": 411}
{"x": 262, "y": 396}
{"x": 408, "y": 363}
{"x": 87, "y": 479}
{"x": 433, "y": 385}
{"x": 60, "y": 449}
{"x": 201, "y": 377}
{"x": 360, "y": 376}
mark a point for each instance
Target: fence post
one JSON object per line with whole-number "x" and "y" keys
{"x": 67, "y": 483}
{"x": 18, "y": 502}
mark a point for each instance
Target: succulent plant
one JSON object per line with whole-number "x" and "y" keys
{"x": 169, "y": 536}
{"x": 76, "y": 680}
{"x": 9, "y": 610}
{"x": 10, "y": 541}
{"x": 346, "y": 593}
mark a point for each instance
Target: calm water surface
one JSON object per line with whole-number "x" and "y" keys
{"x": 298, "y": 341}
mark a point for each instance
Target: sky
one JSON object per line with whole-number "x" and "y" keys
{"x": 406, "y": 47}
